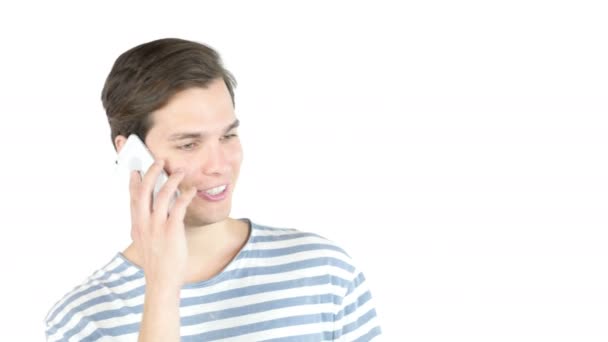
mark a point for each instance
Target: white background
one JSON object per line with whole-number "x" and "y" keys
{"x": 456, "y": 149}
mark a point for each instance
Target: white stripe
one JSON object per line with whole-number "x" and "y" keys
{"x": 257, "y": 281}
{"x": 361, "y": 330}
{"x": 354, "y": 316}
{"x": 258, "y": 298}
{"x": 301, "y": 256}
{"x": 275, "y": 232}
{"x": 214, "y": 306}
{"x": 257, "y": 317}
{"x": 225, "y": 304}
{"x": 97, "y": 293}
{"x": 284, "y": 332}
{"x": 304, "y": 240}
{"x": 233, "y": 284}
{"x": 193, "y": 292}
{"x": 123, "y": 338}
{"x": 96, "y": 275}
{"x": 85, "y": 332}
{"x": 352, "y": 297}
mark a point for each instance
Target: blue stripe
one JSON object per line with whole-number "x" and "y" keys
{"x": 364, "y": 298}
{"x": 359, "y": 279}
{"x": 124, "y": 265}
{"x": 359, "y": 322}
{"x": 92, "y": 337}
{"x": 228, "y": 313}
{"x": 260, "y": 227}
{"x": 104, "y": 332}
{"x": 326, "y": 336}
{"x": 260, "y": 326}
{"x": 55, "y": 309}
{"x": 255, "y": 261}
{"x": 370, "y": 334}
{"x": 273, "y": 238}
{"x": 263, "y": 288}
{"x": 77, "y": 328}
{"x": 185, "y": 302}
{"x": 113, "y": 313}
{"x": 120, "y": 268}
{"x": 244, "y": 254}
{"x": 316, "y": 337}
{"x": 270, "y": 253}
{"x": 124, "y": 280}
{"x": 259, "y": 308}
{"x": 94, "y": 301}
{"x": 245, "y": 272}
{"x": 361, "y": 300}
{"x": 275, "y": 269}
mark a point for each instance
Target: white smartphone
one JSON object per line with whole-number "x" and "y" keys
{"x": 134, "y": 155}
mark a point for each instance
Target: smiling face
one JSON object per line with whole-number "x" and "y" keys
{"x": 197, "y": 131}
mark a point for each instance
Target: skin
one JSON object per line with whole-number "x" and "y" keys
{"x": 194, "y": 239}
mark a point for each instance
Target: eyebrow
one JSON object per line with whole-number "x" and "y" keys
{"x": 198, "y": 135}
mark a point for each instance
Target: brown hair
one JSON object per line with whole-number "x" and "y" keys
{"x": 144, "y": 78}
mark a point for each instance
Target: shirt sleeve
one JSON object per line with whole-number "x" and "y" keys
{"x": 356, "y": 318}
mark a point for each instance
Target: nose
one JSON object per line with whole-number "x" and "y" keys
{"x": 213, "y": 159}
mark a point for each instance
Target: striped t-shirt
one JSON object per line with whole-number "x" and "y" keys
{"x": 283, "y": 285}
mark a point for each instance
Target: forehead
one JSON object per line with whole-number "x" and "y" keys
{"x": 202, "y": 109}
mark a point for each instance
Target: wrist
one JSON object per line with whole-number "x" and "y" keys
{"x": 163, "y": 291}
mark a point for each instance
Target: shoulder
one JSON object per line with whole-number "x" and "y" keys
{"x": 298, "y": 240}
{"x": 73, "y": 315}
{"x": 301, "y": 248}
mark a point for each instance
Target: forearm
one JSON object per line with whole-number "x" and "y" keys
{"x": 161, "y": 320}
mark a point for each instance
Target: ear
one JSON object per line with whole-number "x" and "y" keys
{"x": 119, "y": 142}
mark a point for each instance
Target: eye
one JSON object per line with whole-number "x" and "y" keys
{"x": 187, "y": 147}
{"x": 229, "y": 136}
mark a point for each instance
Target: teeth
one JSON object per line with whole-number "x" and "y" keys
{"x": 216, "y": 191}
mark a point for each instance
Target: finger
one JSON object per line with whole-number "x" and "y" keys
{"x": 178, "y": 211}
{"x": 134, "y": 185}
{"x": 134, "y": 181}
{"x": 135, "y": 233}
{"x": 147, "y": 186}
{"x": 163, "y": 197}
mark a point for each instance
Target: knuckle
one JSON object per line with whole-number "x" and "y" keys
{"x": 135, "y": 228}
{"x": 160, "y": 196}
{"x": 178, "y": 206}
{"x": 141, "y": 192}
{"x": 181, "y": 202}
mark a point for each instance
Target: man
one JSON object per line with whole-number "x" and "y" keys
{"x": 193, "y": 273}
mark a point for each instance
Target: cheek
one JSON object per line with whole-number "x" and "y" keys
{"x": 175, "y": 164}
{"x": 235, "y": 156}
{"x": 188, "y": 167}
{"x": 191, "y": 178}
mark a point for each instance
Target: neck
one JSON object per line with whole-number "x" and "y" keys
{"x": 205, "y": 242}
{"x": 210, "y": 247}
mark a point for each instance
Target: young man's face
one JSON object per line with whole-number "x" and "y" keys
{"x": 196, "y": 131}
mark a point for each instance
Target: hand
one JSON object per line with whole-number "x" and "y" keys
{"x": 158, "y": 234}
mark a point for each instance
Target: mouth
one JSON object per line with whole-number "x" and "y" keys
{"x": 217, "y": 193}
